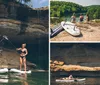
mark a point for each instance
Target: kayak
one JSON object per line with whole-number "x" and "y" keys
{"x": 71, "y": 28}
{"x": 70, "y": 80}
{"x": 18, "y": 71}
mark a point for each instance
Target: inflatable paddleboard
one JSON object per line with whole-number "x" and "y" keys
{"x": 18, "y": 71}
{"x": 56, "y": 31}
{"x": 71, "y": 28}
{"x": 70, "y": 80}
{"x": 4, "y": 70}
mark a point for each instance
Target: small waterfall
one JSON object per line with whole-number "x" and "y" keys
{"x": 12, "y": 10}
{"x": 39, "y": 15}
{"x": 3, "y": 11}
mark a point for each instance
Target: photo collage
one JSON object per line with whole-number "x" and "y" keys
{"x": 49, "y": 42}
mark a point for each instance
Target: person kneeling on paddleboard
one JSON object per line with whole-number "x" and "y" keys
{"x": 23, "y": 54}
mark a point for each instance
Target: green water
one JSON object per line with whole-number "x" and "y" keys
{"x": 35, "y": 78}
{"x": 57, "y": 20}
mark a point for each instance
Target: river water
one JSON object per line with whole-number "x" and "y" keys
{"x": 57, "y": 20}
{"x": 88, "y": 81}
{"x": 35, "y": 78}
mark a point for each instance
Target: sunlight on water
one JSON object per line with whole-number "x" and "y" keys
{"x": 36, "y": 78}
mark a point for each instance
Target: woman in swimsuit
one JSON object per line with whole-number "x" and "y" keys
{"x": 73, "y": 18}
{"x": 23, "y": 54}
{"x": 81, "y": 18}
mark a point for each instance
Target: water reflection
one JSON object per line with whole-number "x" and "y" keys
{"x": 14, "y": 78}
{"x": 24, "y": 80}
{"x": 35, "y": 78}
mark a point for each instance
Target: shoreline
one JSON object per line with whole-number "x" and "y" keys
{"x": 90, "y": 32}
{"x": 61, "y": 66}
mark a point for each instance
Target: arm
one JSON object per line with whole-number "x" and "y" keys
{"x": 18, "y": 48}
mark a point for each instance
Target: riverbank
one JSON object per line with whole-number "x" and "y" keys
{"x": 90, "y": 32}
{"x": 61, "y": 66}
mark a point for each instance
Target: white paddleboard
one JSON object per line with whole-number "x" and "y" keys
{"x": 70, "y": 80}
{"x": 18, "y": 71}
{"x": 71, "y": 28}
{"x": 4, "y": 70}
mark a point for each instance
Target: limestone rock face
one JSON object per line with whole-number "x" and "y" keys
{"x": 23, "y": 24}
{"x": 18, "y": 31}
{"x": 76, "y": 54}
{"x": 7, "y": 27}
{"x": 3, "y": 11}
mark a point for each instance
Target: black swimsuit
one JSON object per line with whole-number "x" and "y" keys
{"x": 23, "y": 53}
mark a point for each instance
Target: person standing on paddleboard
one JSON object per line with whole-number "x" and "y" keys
{"x": 23, "y": 54}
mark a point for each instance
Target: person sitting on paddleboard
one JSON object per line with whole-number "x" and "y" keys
{"x": 70, "y": 77}
{"x": 23, "y": 54}
{"x": 81, "y": 18}
{"x": 73, "y": 18}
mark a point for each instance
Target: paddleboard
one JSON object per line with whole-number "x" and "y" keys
{"x": 4, "y": 70}
{"x": 18, "y": 71}
{"x": 56, "y": 31}
{"x": 71, "y": 28}
{"x": 70, "y": 80}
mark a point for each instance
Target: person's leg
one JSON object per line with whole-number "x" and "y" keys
{"x": 21, "y": 63}
{"x": 24, "y": 59}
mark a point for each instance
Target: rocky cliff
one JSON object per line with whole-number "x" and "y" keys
{"x": 76, "y": 54}
{"x": 22, "y": 24}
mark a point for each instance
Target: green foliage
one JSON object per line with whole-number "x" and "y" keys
{"x": 61, "y": 8}
{"x": 94, "y": 12}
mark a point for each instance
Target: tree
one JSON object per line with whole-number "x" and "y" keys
{"x": 61, "y": 8}
{"x": 94, "y": 12}
{"x": 97, "y": 14}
